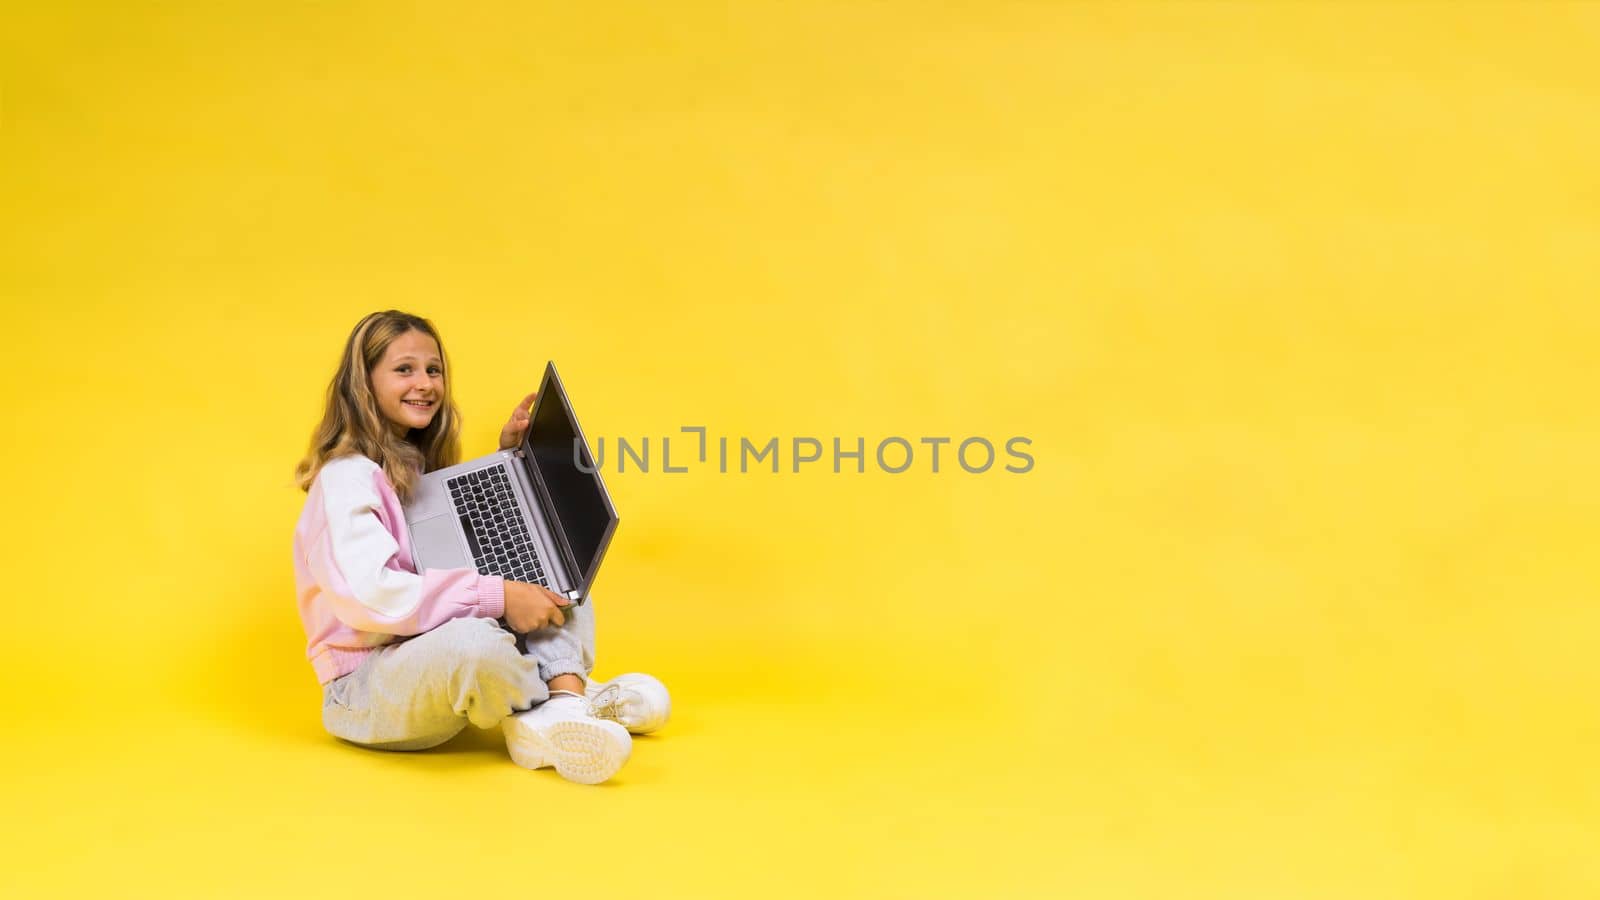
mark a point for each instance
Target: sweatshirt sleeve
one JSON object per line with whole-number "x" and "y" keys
{"x": 351, "y": 561}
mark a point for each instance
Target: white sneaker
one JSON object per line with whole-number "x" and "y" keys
{"x": 638, "y": 702}
{"x": 560, "y": 732}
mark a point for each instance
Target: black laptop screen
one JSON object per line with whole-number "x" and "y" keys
{"x": 579, "y": 501}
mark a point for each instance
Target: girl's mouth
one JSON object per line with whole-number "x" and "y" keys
{"x": 419, "y": 404}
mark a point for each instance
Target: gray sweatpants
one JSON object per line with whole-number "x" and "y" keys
{"x": 422, "y": 691}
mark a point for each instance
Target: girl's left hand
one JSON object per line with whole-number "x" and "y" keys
{"x": 511, "y": 435}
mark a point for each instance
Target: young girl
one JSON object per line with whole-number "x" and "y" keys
{"x": 406, "y": 659}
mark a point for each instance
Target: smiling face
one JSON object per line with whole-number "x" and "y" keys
{"x": 409, "y": 382}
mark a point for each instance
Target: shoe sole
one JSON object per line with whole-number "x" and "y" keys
{"x": 587, "y": 752}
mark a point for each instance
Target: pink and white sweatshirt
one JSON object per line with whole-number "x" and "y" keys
{"x": 358, "y": 586}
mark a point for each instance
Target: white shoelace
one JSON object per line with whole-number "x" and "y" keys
{"x": 607, "y": 704}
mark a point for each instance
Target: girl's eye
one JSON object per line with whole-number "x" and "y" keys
{"x": 435, "y": 371}
{"x": 403, "y": 369}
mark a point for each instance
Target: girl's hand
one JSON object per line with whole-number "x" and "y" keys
{"x": 530, "y": 607}
{"x": 511, "y": 435}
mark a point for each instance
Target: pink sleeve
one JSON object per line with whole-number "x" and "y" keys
{"x": 353, "y": 560}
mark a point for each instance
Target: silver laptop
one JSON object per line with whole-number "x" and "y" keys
{"x": 538, "y": 514}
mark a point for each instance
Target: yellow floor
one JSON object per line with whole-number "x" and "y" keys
{"x": 736, "y": 796}
{"x": 1294, "y": 301}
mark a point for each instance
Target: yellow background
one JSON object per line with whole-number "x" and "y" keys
{"x": 1296, "y": 302}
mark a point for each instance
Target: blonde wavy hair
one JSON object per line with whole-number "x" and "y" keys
{"x": 353, "y": 424}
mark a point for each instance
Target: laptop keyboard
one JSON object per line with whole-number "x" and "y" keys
{"x": 500, "y": 542}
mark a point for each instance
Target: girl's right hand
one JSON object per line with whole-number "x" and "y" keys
{"x": 530, "y": 607}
